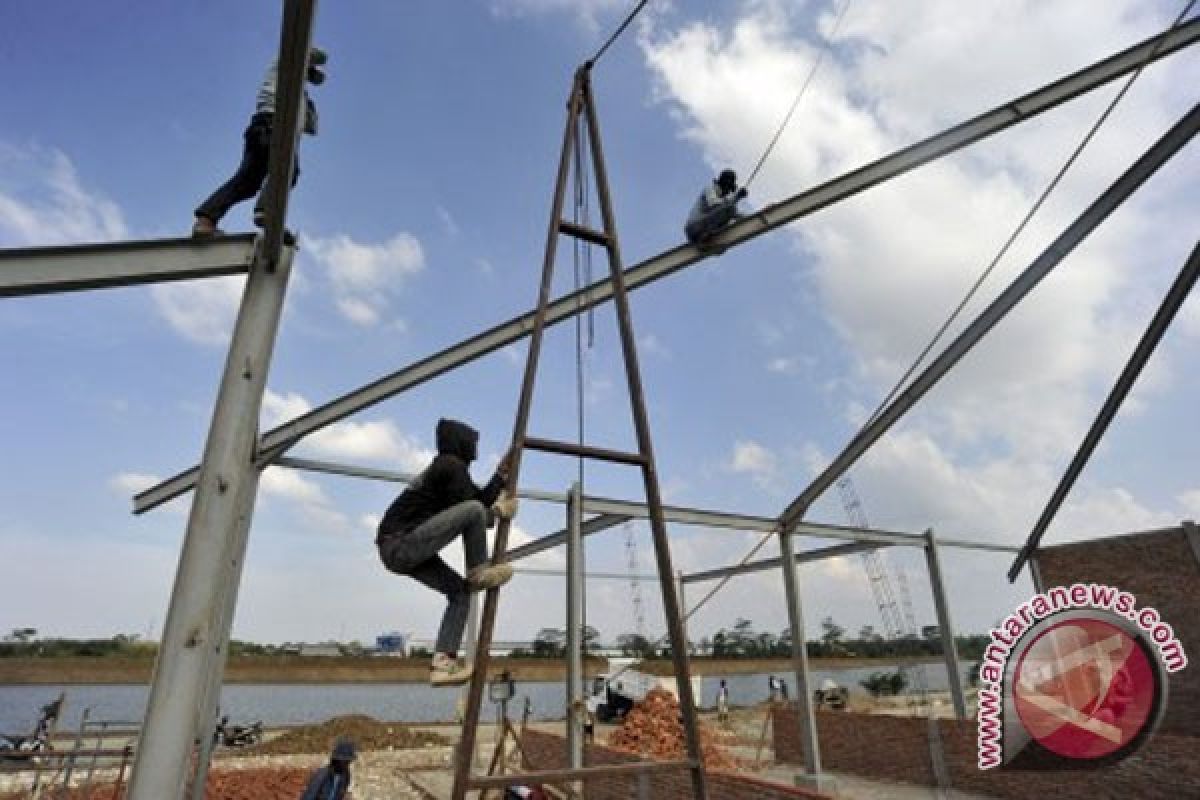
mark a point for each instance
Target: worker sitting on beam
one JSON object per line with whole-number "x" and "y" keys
{"x": 440, "y": 505}
{"x": 256, "y": 151}
{"x": 714, "y": 209}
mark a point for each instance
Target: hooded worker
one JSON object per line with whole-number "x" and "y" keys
{"x": 256, "y": 150}
{"x": 439, "y": 506}
{"x": 715, "y": 208}
{"x": 331, "y": 781}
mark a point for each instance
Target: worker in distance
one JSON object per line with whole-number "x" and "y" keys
{"x": 439, "y": 506}
{"x": 256, "y": 151}
{"x": 715, "y": 208}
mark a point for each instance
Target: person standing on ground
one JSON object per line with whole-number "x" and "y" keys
{"x": 256, "y": 151}
{"x": 440, "y": 505}
{"x": 723, "y": 704}
{"x": 715, "y": 208}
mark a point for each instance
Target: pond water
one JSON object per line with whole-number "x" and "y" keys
{"x": 290, "y": 704}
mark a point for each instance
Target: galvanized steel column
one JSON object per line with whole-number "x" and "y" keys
{"x": 219, "y": 513}
{"x": 804, "y": 708}
{"x": 945, "y": 626}
{"x": 575, "y": 577}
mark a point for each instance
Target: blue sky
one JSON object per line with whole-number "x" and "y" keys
{"x": 423, "y": 205}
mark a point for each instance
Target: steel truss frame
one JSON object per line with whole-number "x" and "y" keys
{"x": 190, "y": 664}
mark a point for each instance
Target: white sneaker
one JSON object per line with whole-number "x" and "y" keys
{"x": 489, "y": 577}
{"x": 446, "y": 671}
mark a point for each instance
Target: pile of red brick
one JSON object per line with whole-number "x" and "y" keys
{"x": 654, "y": 728}
{"x": 235, "y": 784}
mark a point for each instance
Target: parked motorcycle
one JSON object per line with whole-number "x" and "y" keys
{"x": 238, "y": 735}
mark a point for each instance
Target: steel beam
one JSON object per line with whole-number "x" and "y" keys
{"x": 804, "y": 699}
{"x": 587, "y": 773}
{"x": 1170, "y": 306}
{"x": 666, "y": 263}
{"x": 288, "y": 123}
{"x": 836, "y": 551}
{"x": 628, "y": 509}
{"x": 945, "y": 626}
{"x": 1162, "y": 150}
{"x": 588, "y": 527}
{"x": 196, "y": 622}
{"x": 576, "y": 710}
{"x": 46, "y": 270}
{"x": 562, "y": 573}
{"x": 179, "y": 696}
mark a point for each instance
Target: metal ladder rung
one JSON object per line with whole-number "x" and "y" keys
{"x": 587, "y": 451}
{"x": 580, "y": 232}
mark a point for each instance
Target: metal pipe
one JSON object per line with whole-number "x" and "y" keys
{"x": 804, "y": 708}
{"x": 945, "y": 626}
{"x": 1162, "y": 150}
{"x": 575, "y": 577}
{"x": 184, "y": 664}
{"x": 1170, "y": 306}
{"x": 990, "y": 122}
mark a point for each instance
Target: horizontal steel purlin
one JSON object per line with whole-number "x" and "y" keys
{"x": 104, "y": 265}
{"x": 676, "y": 514}
{"x": 666, "y": 263}
{"x": 835, "y": 551}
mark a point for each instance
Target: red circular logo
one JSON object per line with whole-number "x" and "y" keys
{"x": 1085, "y": 688}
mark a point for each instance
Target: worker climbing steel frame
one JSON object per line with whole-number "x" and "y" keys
{"x": 581, "y": 106}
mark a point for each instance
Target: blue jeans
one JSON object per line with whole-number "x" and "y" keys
{"x": 415, "y": 553}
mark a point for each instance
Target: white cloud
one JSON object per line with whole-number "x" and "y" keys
{"x": 43, "y": 201}
{"x": 887, "y": 266}
{"x": 448, "y": 221}
{"x": 126, "y": 483}
{"x": 1190, "y": 502}
{"x": 365, "y": 277}
{"x": 202, "y": 311}
{"x": 752, "y": 458}
{"x": 651, "y": 345}
{"x": 371, "y": 440}
{"x": 291, "y": 485}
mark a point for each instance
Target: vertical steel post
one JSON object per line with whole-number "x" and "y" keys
{"x": 805, "y": 716}
{"x": 641, "y": 423}
{"x": 575, "y": 577}
{"x": 219, "y": 654}
{"x": 945, "y": 625}
{"x": 182, "y": 670}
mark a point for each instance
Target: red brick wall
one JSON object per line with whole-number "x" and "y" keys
{"x": 547, "y": 751}
{"x": 897, "y": 749}
{"x": 1161, "y": 569}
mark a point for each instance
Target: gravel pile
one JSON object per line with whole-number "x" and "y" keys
{"x": 367, "y": 733}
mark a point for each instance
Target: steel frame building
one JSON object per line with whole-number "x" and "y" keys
{"x": 191, "y": 660}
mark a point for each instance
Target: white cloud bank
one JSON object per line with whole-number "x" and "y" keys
{"x": 365, "y": 277}
{"x": 887, "y": 266}
{"x": 43, "y": 201}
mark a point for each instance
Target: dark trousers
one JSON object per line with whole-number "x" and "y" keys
{"x": 415, "y": 553}
{"x": 246, "y": 182}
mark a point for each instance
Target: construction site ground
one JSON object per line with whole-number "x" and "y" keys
{"x": 419, "y": 768}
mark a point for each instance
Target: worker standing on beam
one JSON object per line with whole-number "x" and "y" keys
{"x": 714, "y": 209}
{"x": 256, "y": 149}
{"x": 440, "y": 505}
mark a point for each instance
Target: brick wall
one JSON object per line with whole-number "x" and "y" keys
{"x": 1161, "y": 569}
{"x": 897, "y": 749}
{"x": 547, "y": 751}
